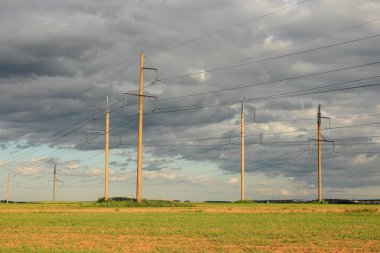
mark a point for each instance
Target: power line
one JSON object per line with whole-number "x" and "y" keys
{"x": 266, "y": 98}
{"x": 227, "y": 28}
{"x": 310, "y": 40}
{"x": 298, "y": 142}
{"x": 182, "y": 96}
{"x": 269, "y": 59}
{"x": 257, "y": 122}
{"x": 313, "y": 39}
{"x": 304, "y": 92}
{"x": 271, "y": 82}
{"x": 344, "y": 88}
{"x": 62, "y": 152}
{"x": 200, "y": 173}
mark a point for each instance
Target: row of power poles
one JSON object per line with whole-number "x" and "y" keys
{"x": 54, "y": 184}
{"x": 319, "y": 140}
{"x": 140, "y": 145}
{"x": 139, "y": 138}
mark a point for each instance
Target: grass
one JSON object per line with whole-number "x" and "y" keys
{"x": 235, "y": 227}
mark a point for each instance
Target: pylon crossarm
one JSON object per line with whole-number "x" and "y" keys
{"x": 328, "y": 119}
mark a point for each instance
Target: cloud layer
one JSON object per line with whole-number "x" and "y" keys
{"x": 58, "y": 62}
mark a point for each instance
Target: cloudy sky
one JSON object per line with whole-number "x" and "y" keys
{"x": 60, "y": 59}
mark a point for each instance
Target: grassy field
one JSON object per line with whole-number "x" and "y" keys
{"x": 85, "y": 227}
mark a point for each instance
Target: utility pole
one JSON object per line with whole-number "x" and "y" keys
{"x": 106, "y": 133}
{"x": 140, "y": 128}
{"x": 139, "y": 138}
{"x": 8, "y": 189}
{"x": 54, "y": 180}
{"x": 319, "y": 118}
{"x": 106, "y": 160}
{"x": 320, "y": 139}
{"x": 242, "y": 150}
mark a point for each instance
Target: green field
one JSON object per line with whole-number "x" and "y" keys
{"x": 84, "y": 227}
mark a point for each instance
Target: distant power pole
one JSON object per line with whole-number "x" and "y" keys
{"x": 242, "y": 150}
{"x": 319, "y": 140}
{"x": 8, "y": 194}
{"x": 106, "y": 160}
{"x": 319, "y": 119}
{"x": 54, "y": 180}
{"x": 140, "y": 133}
{"x": 106, "y": 132}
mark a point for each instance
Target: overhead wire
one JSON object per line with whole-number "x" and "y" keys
{"x": 321, "y": 36}
{"x": 367, "y": 124}
{"x": 210, "y": 70}
{"x": 368, "y": 37}
{"x": 352, "y": 87}
{"x": 266, "y": 98}
{"x": 235, "y": 87}
{"x": 227, "y": 28}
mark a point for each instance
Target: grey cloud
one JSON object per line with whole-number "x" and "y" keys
{"x": 56, "y": 61}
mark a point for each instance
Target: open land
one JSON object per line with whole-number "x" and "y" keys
{"x": 85, "y": 227}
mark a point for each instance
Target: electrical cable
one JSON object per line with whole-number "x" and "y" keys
{"x": 226, "y": 28}
{"x": 269, "y": 59}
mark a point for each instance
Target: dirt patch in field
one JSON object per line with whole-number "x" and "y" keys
{"x": 120, "y": 239}
{"x": 345, "y": 246}
{"x": 78, "y": 242}
{"x": 102, "y": 242}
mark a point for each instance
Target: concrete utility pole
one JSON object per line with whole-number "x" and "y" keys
{"x": 319, "y": 155}
{"x": 319, "y": 140}
{"x": 140, "y": 129}
{"x": 106, "y": 133}
{"x": 106, "y": 160}
{"x": 242, "y": 150}
{"x": 54, "y": 180}
{"x": 140, "y": 132}
{"x": 8, "y": 189}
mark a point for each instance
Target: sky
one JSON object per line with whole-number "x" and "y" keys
{"x": 59, "y": 60}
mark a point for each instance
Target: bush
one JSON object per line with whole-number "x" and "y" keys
{"x": 129, "y": 202}
{"x": 244, "y": 202}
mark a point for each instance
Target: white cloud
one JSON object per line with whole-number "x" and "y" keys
{"x": 284, "y": 192}
{"x": 118, "y": 178}
{"x": 301, "y": 67}
{"x": 363, "y": 159}
{"x": 233, "y": 181}
{"x": 29, "y": 171}
{"x": 95, "y": 172}
{"x": 202, "y": 76}
{"x": 41, "y": 159}
{"x": 72, "y": 166}
{"x": 272, "y": 43}
{"x": 165, "y": 174}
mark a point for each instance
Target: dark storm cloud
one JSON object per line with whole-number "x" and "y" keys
{"x": 56, "y": 60}
{"x": 44, "y": 44}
